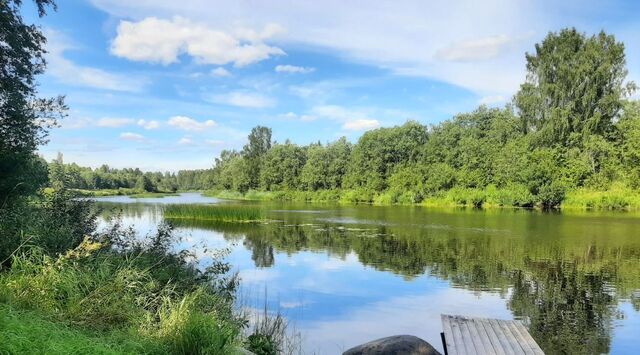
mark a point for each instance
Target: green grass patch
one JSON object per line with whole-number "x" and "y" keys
{"x": 222, "y": 213}
{"x": 29, "y": 332}
{"x": 616, "y": 198}
{"x": 153, "y": 194}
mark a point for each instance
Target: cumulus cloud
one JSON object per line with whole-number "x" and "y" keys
{"x": 130, "y": 136}
{"x": 152, "y": 124}
{"x": 492, "y": 100}
{"x": 111, "y": 122}
{"x": 244, "y": 99}
{"x": 189, "y": 124}
{"x": 292, "y": 69}
{"x": 70, "y": 73}
{"x": 474, "y": 50}
{"x": 352, "y": 120}
{"x": 220, "y": 72}
{"x": 360, "y": 124}
{"x": 294, "y": 116}
{"x": 185, "y": 141}
{"x": 403, "y": 36}
{"x": 163, "y": 41}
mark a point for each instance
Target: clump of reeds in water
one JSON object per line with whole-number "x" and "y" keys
{"x": 222, "y": 213}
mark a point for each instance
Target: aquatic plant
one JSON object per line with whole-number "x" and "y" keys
{"x": 224, "y": 213}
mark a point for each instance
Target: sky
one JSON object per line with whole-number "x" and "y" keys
{"x": 166, "y": 85}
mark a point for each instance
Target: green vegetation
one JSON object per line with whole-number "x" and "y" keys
{"x": 65, "y": 288}
{"x": 28, "y": 332}
{"x": 106, "y": 181}
{"x": 222, "y": 213}
{"x": 569, "y": 134}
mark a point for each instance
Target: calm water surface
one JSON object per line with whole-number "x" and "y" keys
{"x": 345, "y": 275}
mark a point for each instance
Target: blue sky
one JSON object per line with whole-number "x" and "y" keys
{"x": 166, "y": 85}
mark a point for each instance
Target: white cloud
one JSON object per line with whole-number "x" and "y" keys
{"x": 220, "y": 72}
{"x": 492, "y": 100}
{"x": 352, "y": 120}
{"x": 185, "y": 141}
{"x": 402, "y": 36}
{"x": 360, "y": 124}
{"x": 214, "y": 142}
{"x": 152, "y": 124}
{"x": 111, "y": 122}
{"x": 70, "y": 73}
{"x": 163, "y": 41}
{"x": 292, "y": 69}
{"x": 244, "y": 99}
{"x": 294, "y": 116}
{"x": 130, "y": 136}
{"x": 189, "y": 124}
{"x": 474, "y": 50}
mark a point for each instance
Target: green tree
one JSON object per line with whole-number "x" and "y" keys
{"x": 575, "y": 84}
{"x": 24, "y": 116}
{"x": 282, "y": 166}
{"x": 258, "y": 145}
{"x": 380, "y": 151}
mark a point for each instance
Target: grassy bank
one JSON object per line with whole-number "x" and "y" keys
{"x": 29, "y": 332}
{"x": 516, "y": 196}
{"x": 133, "y": 193}
{"x": 221, "y": 213}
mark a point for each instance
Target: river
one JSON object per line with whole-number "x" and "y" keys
{"x": 347, "y": 274}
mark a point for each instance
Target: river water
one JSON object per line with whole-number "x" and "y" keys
{"x": 347, "y": 274}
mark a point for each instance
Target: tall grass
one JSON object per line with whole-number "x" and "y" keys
{"x": 616, "y": 198}
{"x": 30, "y": 332}
{"x": 113, "y": 284}
{"x": 222, "y": 213}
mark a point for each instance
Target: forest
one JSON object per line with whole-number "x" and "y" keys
{"x": 570, "y": 136}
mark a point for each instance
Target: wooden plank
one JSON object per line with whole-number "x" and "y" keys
{"x": 481, "y": 333}
{"x": 466, "y": 336}
{"x": 519, "y": 338}
{"x": 463, "y": 335}
{"x": 457, "y": 337}
{"x": 450, "y": 345}
{"x": 491, "y": 335}
{"x": 504, "y": 342}
{"x": 528, "y": 338}
{"x": 511, "y": 338}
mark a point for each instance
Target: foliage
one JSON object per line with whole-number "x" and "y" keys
{"x": 25, "y": 118}
{"x": 72, "y": 176}
{"x": 572, "y": 129}
{"x": 118, "y": 282}
{"x": 574, "y": 84}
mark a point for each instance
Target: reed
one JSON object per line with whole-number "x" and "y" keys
{"x": 223, "y": 213}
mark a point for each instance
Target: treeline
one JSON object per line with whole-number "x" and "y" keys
{"x": 73, "y": 176}
{"x": 570, "y": 127}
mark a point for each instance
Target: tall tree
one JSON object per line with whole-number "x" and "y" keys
{"x": 24, "y": 116}
{"x": 575, "y": 86}
{"x": 258, "y": 145}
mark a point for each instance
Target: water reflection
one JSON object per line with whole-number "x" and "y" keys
{"x": 350, "y": 274}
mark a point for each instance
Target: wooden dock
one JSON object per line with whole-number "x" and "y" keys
{"x": 464, "y": 335}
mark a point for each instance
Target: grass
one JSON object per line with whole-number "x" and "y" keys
{"x": 155, "y": 301}
{"x": 133, "y": 193}
{"x": 153, "y": 194}
{"x": 29, "y": 332}
{"x": 222, "y": 213}
{"x": 615, "y": 198}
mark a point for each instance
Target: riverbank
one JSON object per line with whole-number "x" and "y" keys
{"x": 133, "y": 193}
{"x": 616, "y": 198}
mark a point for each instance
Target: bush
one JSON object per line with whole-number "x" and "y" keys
{"x": 551, "y": 195}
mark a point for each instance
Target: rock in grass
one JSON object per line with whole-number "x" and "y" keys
{"x": 394, "y": 345}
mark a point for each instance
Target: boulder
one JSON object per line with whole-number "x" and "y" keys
{"x": 394, "y": 345}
